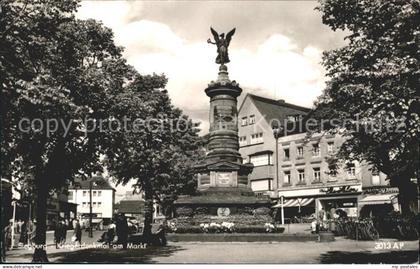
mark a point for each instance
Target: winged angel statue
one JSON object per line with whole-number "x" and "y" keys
{"x": 222, "y": 44}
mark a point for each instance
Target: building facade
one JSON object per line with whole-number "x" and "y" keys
{"x": 103, "y": 198}
{"x": 308, "y": 180}
{"x": 256, "y": 140}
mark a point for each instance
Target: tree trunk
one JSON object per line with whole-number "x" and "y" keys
{"x": 40, "y": 253}
{"x": 148, "y": 212}
{"x": 407, "y": 197}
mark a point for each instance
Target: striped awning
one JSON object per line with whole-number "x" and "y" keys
{"x": 295, "y": 202}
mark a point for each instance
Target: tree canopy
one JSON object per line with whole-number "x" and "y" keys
{"x": 65, "y": 87}
{"x": 373, "y": 86}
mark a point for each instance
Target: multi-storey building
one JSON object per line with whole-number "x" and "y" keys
{"x": 103, "y": 198}
{"x": 306, "y": 180}
{"x": 256, "y": 140}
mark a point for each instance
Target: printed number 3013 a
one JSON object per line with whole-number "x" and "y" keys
{"x": 389, "y": 245}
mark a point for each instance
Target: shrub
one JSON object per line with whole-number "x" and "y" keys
{"x": 184, "y": 211}
{"x": 201, "y": 211}
{"x": 189, "y": 229}
{"x": 394, "y": 225}
{"x": 262, "y": 211}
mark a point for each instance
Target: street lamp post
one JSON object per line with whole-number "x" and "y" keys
{"x": 277, "y": 133}
{"x": 277, "y": 129}
{"x": 282, "y": 210}
{"x": 90, "y": 209}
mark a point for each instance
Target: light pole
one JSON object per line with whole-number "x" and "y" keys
{"x": 76, "y": 187}
{"x": 13, "y": 224}
{"x": 277, "y": 129}
{"x": 90, "y": 209}
{"x": 282, "y": 209}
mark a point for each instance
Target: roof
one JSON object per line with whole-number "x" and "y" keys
{"x": 130, "y": 206}
{"x": 274, "y": 109}
{"x": 99, "y": 183}
{"x": 279, "y": 110}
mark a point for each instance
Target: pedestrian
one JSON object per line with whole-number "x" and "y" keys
{"x": 77, "y": 235}
{"x": 24, "y": 233}
{"x": 57, "y": 234}
{"x": 122, "y": 230}
{"x": 31, "y": 231}
{"x": 8, "y": 235}
{"x": 18, "y": 226}
{"x": 161, "y": 234}
{"x": 73, "y": 223}
{"x": 111, "y": 232}
{"x": 64, "y": 232}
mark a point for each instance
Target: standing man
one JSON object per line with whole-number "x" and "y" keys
{"x": 57, "y": 234}
{"x": 8, "y": 235}
{"x": 64, "y": 232}
{"x": 122, "y": 230}
{"x": 24, "y": 233}
{"x": 78, "y": 232}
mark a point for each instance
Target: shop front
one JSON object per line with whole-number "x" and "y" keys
{"x": 378, "y": 201}
{"x": 320, "y": 203}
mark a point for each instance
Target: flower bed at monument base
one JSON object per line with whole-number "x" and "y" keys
{"x": 238, "y": 229}
{"x": 241, "y": 237}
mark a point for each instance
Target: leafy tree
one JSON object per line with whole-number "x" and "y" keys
{"x": 54, "y": 67}
{"x": 156, "y": 145}
{"x": 373, "y": 87}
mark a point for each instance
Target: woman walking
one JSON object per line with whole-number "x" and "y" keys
{"x": 78, "y": 233}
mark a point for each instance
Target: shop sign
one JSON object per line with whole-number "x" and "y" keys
{"x": 343, "y": 189}
{"x": 380, "y": 190}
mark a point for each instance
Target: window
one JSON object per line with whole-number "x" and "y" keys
{"x": 317, "y": 174}
{"x": 242, "y": 141}
{"x": 301, "y": 175}
{"x": 94, "y": 193}
{"x": 376, "y": 180}
{"x": 70, "y": 196}
{"x": 84, "y": 193}
{"x": 94, "y": 204}
{"x": 84, "y": 204}
{"x": 315, "y": 150}
{"x": 286, "y": 154}
{"x": 261, "y": 185}
{"x": 351, "y": 170}
{"x": 99, "y": 204}
{"x": 262, "y": 159}
{"x": 293, "y": 118}
{"x": 330, "y": 147}
{"x": 251, "y": 119}
{"x": 257, "y": 138}
{"x": 99, "y": 193}
{"x": 286, "y": 178}
{"x": 300, "y": 152}
{"x": 244, "y": 121}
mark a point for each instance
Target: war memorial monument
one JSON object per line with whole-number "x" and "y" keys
{"x": 223, "y": 191}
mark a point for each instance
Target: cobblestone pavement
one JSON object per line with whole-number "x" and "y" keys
{"x": 340, "y": 251}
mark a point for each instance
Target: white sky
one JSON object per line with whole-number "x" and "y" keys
{"x": 275, "y": 52}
